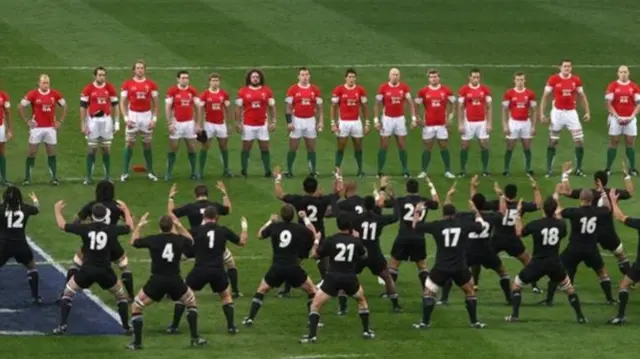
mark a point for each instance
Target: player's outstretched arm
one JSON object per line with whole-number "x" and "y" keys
{"x": 432, "y": 188}
{"x": 518, "y": 219}
{"x": 262, "y": 232}
{"x": 537, "y": 194}
{"x": 179, "y": 228}
{"x": 585, "y": 105}
{"x": 473, "y": 186}
{"x": 135, "y": 235}
{"x": 63, "y": 115}
{"x": 628, "y": 181}
{"x": 244, "y": 235}
{"x": 277, "y": 185}
{"x": 307, "y": 222}
{"x": 450, "y": 193}
{"x": 226, "y": 201}
{"x": 128, "y": 217}
{"x": 171, "y": 205}
{"x": 615, "y": 209}
{"x": 57, "y": 208}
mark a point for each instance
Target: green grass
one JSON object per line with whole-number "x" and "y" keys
{"x": 66, "y": 38}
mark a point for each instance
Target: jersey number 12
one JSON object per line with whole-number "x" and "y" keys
{"x": 14, "y": 219}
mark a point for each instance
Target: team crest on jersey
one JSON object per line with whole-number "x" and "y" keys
{"x": 387, "y": 93}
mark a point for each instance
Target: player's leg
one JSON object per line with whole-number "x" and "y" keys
{"x": 271, "y": 280}
{"x": 106, "y": 138}
{"x": 570, "y": 262}
{"x": 554, "y": 137}
{"x": 400, "y": 131}
{"x": 120, "y": 296}
{"x": 357, "y": 133}
{"x": 35, "y": 138}
{"x": 24, "y": 256}
{"x": 630, "y": 133}
{"x": 596, "y": 263}
{"x": 204, "y": 148}
{"x": 483, "y": 136}
{"x": 357, "y": 293}
{"x": 512, "y": 137}
{"x": 526, "y": 148}
{"x": 190, "y": 136}
{"x": 398, "y": 256}
{"x": 427, "y": 146}
{"x": 248, "y": 136}
{"x": 146, "y": 128}
{"x": 310, "y": 140}
{"x": 322, "y": 296}
{"x": 465, "y": 142}
{"x": 308, "y": 287}
{"x": 3, "y": 159}
{"x": 232, "y": 273}
{"x": 380, "y": 269}
{"x": 50, "y": 144}
{"x": 517, "y": 250}
{"x": 442, "y": 135}
{"x": 632, "y": 276}
{"x": 298, "y": 278}
{"x": 575, "y": 127}
{"x": 295, "y": 135}
{"x": 92, "y": 149}
{"x": 432, "y": 285}
{"x": 188, "y": 297}
{"x": 70, "y": 290}
{"x": 574, "y": 300}
{"x": 418, "y": 255}
{"x": 385, "y": 136}
{"x": 615, "y": 133}
{"x": 265, "y": 153}
{"x": 463, "y": 280}
{"x": 140, "y": 302}
{"x": 228, "y": 309}
{"x": 174, "y": 143}
{"x": 495, "y": 263}
{"x": 527, "y": 275}
{"x": 223, "y": 146}
{"x": 131, "y": 134}
{"x": 342, "y": 137}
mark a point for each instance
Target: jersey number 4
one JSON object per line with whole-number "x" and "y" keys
{"x": 167, "y": 252}
{"x": 345, "y": 252}
{"x": 451, "y": 237}
{"x": 410, "y": 209}
{"x": 14, "y": 219}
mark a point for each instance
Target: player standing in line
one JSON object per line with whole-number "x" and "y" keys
{"x": 518, "y": 121}
{"x": 304, "y": 103}
{"x": 180, "y": 103}
{"x": 214, "y": 102}
{"x": 438, "y": 103}
{"x": 255, "y": 116}
{"x": 43, "y": 125}
{"x": 348, "y": 102}
{"x": 139, "y": 106}
{"x": 623, "y": 103}
{"x": 564, "y": 87}
{"x": 475, "y": 118}
{"x": 6, "y": 133}
{"x": 98, "y": 109}
{"x": 392, "y": 97}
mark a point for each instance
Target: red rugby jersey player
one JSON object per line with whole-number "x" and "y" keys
{"x": 99, "y": 98}
{"x": 215, "y": 103}
{"x": 43, "y": 103}
{"x": 435, "y": 100}
{"x": 304, "y": 100}
{"x": 474, "y": 100}
{"x": 5, "y": 116}
{"x": 565, "y": 89}
{"x": 349, "y": 101}
{"x": 623, "y": 98}
{"x": 254, "y": 103}
{"x": 393, "y": 98}
{"x": 182, "y": 100}
{"x": 519, "y": 102}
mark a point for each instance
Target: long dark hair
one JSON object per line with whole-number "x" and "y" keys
{"x": 12, "y": 198}
{"x": 105, "y": 191}
{"x": 247, "y": 78}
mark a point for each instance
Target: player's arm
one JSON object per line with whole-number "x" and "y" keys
{"x": 124, "y": 104}
{"x": 168, "y": 109}
{"x": 200, "y": 113}
{"x": 488, "y": 112}
{"x": 450, "y": 107}
{"x": 450, "y": 192}
{"x": 179, "y": 228}
{"x": 63, "y": 105}
{"x": 628, "y": 184}
{"x": 128, "y": 217}
{"x": 546, "y": 95}
{"x": 7, "y": 118}
{"x": 115, "y": 110}
{"x": 238, "y": 111}
{"x": 288, "y": 109}
{"x": 505, "y": 113}
{"x": 226, "y": 201}
{"x": 244, "y": 234}
{"x": 435, "y": 198}
{"x": 265, "y": 230}
{"x": 473, "y": 186}
{"x": 364, "y": 109}
{"x": 636, "y": 110}
{"x": 378, "y": 107}
{"x": 271, "y": 111}
{"x": 412, "y": 106}
{"x": 25, "y": 102}
{"x": 155, "y": 105}
{"x": 533, "y": 113}
{"x": 615, "y": 208}
{"x": 171, "y": 205}
{"x": 84, "y": 105}
{"x": 307, "y": 222}
{"x": 278, "y": 191}
{"x": 320, "y": 112}
{"x": 461, "y": 112}
{"x": 225, "y": 111}
{"x": 60, "y": 221}
{"x": 582, "y": 96}
{"x": 137, "y": 229}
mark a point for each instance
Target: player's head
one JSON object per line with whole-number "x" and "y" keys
{"x": 100, "y": 75}
{"x": 369, "y": 203}
{"x": 310, "y": 185}
{"x": 474, "y": 77}
{"x": 166, "y": 224}
{"x": 350, "y": 188}
{"x": 304, "y": 76}
{"x": 519, "y": 80}
{"x": 201, "y": 191}
{"x": 434, "y": 77}
{"x": 602, "y": 177}
{"x": 12, "y": 198}
{"x": 44, "y": 83}
{"x": 183, "y": 78}
{"x": 287, "y": 212}
{"x": 479, "y": 200}
{"x": 586, "y": 197}
{"x": 139, "y": 67}
{"x": 105, "y": 191}
{"x": 344, "y": 223}
{"x": 511, "y": 191}
{"x": 350, "y": 76}
{"x": 549, "y": 206}
{"x": 623, "y": 73}
{"x": 412, "y": 186}
{"x": 254, "y": 78}
{"x": 210, "y": 214}
{"x": 214, "y": 81}
{"x": 394, "y": 76}
{"x": 566, "y": 67}
{"x": 448, "y": 210}
{"x": 98, "y": 213}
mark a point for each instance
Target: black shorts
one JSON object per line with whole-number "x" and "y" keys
{"x": 19, "y": 250}
{"x": 160, "y": 286}
{"x": 484, "y": 256}
{"x": 538, "y": 268}
{"x": 200, "y": 276}
{"x": 116, "y": 251}
{"x": 572, "y": 257}
{"x": 87, "y": 275}
{"x": 439, "y": 276}
{"x": 409, "y": 249}
{"x": 376, "y": 264}
{"x": 634, "y": 271}
{"x": 513, "y": 246}
{"x": 609, "y": 241}
{"x": 333, "y": 283}
{"x": 292, "y": 275}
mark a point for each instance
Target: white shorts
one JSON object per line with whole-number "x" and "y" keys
{"x": 216, "y": 130}
{"x": 303, "y": 127}
{"x": 184, "y": 129}
{"x": 561, "y": 119}
{"x": 141, "y": 122}
{"x": 3, "y": 134}
{"x": 46, "y": 135}
{"x": 100, "y": 130}
{"x": 631, "y": 129}
{"x": 519, "y": 129}
{"x": 476, "y": 129}
{"x": 393, "y": 126}
{"x": 438, "y": 132}
{"x": 260, "y": 133}
{"x": 350, "y": 129}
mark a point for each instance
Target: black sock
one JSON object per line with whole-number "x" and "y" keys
{"x": 178, "y": 310}
{"x": 516, "y": 300}
{"x": 605, "y": 284}
{"x": 309, "y": 301}
{"x": 232, "y": 273}
{"x": 287, "y": 288}
{"x": 123, "y": 311}
{"x": 446, "y": 289}
{"x": 575, "y": 303}
{"x": 422, "y": 276}
{"x": 624, "y": 266}
{"x": 394, "y": 274}
{"x": 342, "y": 302}
{"x": 256, "y": 303}
{"x": 623, "y": 298}
{"x": 227, "y": 309}
{"x": 395, "y": 303}
{"x": 321, "y": 268}
{"x": 136, "y": 320}
{"x": 475, "y": 273}
{"x": 535, "y": 285}
{"x": 70, "y": 273}
{"x": 34, "y": 280}
{"x": 65, "y": 309}
{"x": 364, "y": 318}
{"x": 192, "y": 319}
{"x": 314, "y": 319}
{"x": 551, "y": 291}
{"x": 127, "y": 281}
{"x": 428, "y": 304}
{"x": 505, "y": 285}
{"x": 471, "y": 303}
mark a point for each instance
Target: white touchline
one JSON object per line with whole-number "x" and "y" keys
{"x": 20, "y": 332}
{"x": 328, "y": 356}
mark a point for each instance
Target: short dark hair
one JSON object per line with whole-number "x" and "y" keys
{"x": 99, "y": 68}
{"x": 412, "y": 186}
{"x": 98, "y": 211}
{"x": 210, "y": 212}
{"x": 139, "y": 61}
{"x": 602, "y": 176}
{"x": 448, "y": 210}
{"x": 201, "y": 191}
{"x": 287, "y": 212}
{"x": 214, "y": 75}
{"x": 310, "y": 185}
{"x": 350, "y": 71}
{"x": 479, "y": 200}
{"x": 369, "y": 203}
{"x": 519, "y": 73}
{"x": 344, "y": 223}
{"x": 166, "y": 224}
{"x": 247, "y": 77}
{"x": 474, "y": 70}
{"x": 566, "y": 59}
{"x": 511, "y": 191}
{"x": 549, "y": 206}
{"x": 303, "y": 68}
{"x": 433, "y": 72}
{"x": 105, "y": 191}
{"x": 182, "y": 72}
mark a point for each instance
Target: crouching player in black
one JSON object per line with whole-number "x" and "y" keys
{"x": 344, "y": 251}
{"x": 13, "y": 238}
{"x": 98, "y": 240}
{"x": 288, "y": 240}
{"x": 547, "y": 232}
{"x": 165, "y": 250}
{"x": 451, "y": 235}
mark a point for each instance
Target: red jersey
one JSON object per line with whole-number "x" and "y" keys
{"x": 44, "y": 106}
{"x": 564, "y": 91}
{"x": 4, "y": 104}
{"x": 182, "y": 101}
{"x": 519, "y": 103}
{"x": 254, "y": 103}
{"x": 349, "y": 100}
{"x": 139, "y": 94}
{"x": 393, "y": 98}
{"x": 99, "y": 98}
{"x": 475, "y": 100}
{"x": 305, "y": 100}
{"x": 624, "y": 97}
{"x": 214, "y": 104}
{"x": 435, "y": 104}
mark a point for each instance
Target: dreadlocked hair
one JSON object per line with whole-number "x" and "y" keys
{"x": 12, "y": 198}
{"x": 105, "y": 191}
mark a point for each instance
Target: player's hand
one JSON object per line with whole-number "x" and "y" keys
{"x": 32, "y": 123}
{"x": 144, "y": 220}
{"x": 355, "y": 233}
{"x": 274, "y": 217}
{"x": 613, "y": 195}
{"x": 174, "y": 190}
{"x": 472, "y": 207}
{"x": 506, "y": 131}
{"x": 123, "y": 206}
{"x": 57, "y": 124}
{"x": 277, "y": 171}
{"x": 220, "y": 186}
{"x": 85, "y": 130}
{"x": 320, "y": 126}
{"x": 519, "y": 206}
{"x": 534, "y": 184}
{"x": 290, "y": 127}
{"x": 377, "y": 124}
{"x": 239, "y": 128}
{"x": 474, "y": 181}
{"x": 244, "y": 223}
{"x": 452, "y": 189}
{"x": 566, "y": 167}
{"x": 59, "y": 205}
{"x": 33, "y": 197}
{"x": 489, "y": 127}
{"x": 9, "y": 135}
{"x": 272, "y": 126}
{"x": 414, "y": 124}
{"x": 497, "y": 189}
{"x": 302, "y": 214}
{"x": 586, "y": 117}
{"x": 172, "y": 128}
{"x": 130, "y": 124}
{"x": 419, "y": 208}
{"x": 152, "y": 124}
{"x": 461, "y": 129}
{"x": 533, "y": 131}
{"x": 367, "y": 128}
{"x": 544, "y": 119}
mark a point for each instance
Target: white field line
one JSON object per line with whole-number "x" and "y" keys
{"x": 329, "y": 356}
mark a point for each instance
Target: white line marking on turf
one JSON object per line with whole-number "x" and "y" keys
{"x": 8, "y": 310}
{"x": 20, "y": 332}
{"x": 317, "y": 66}
{"x": 52, "y": 262}
{"x": 328, "y": 356}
